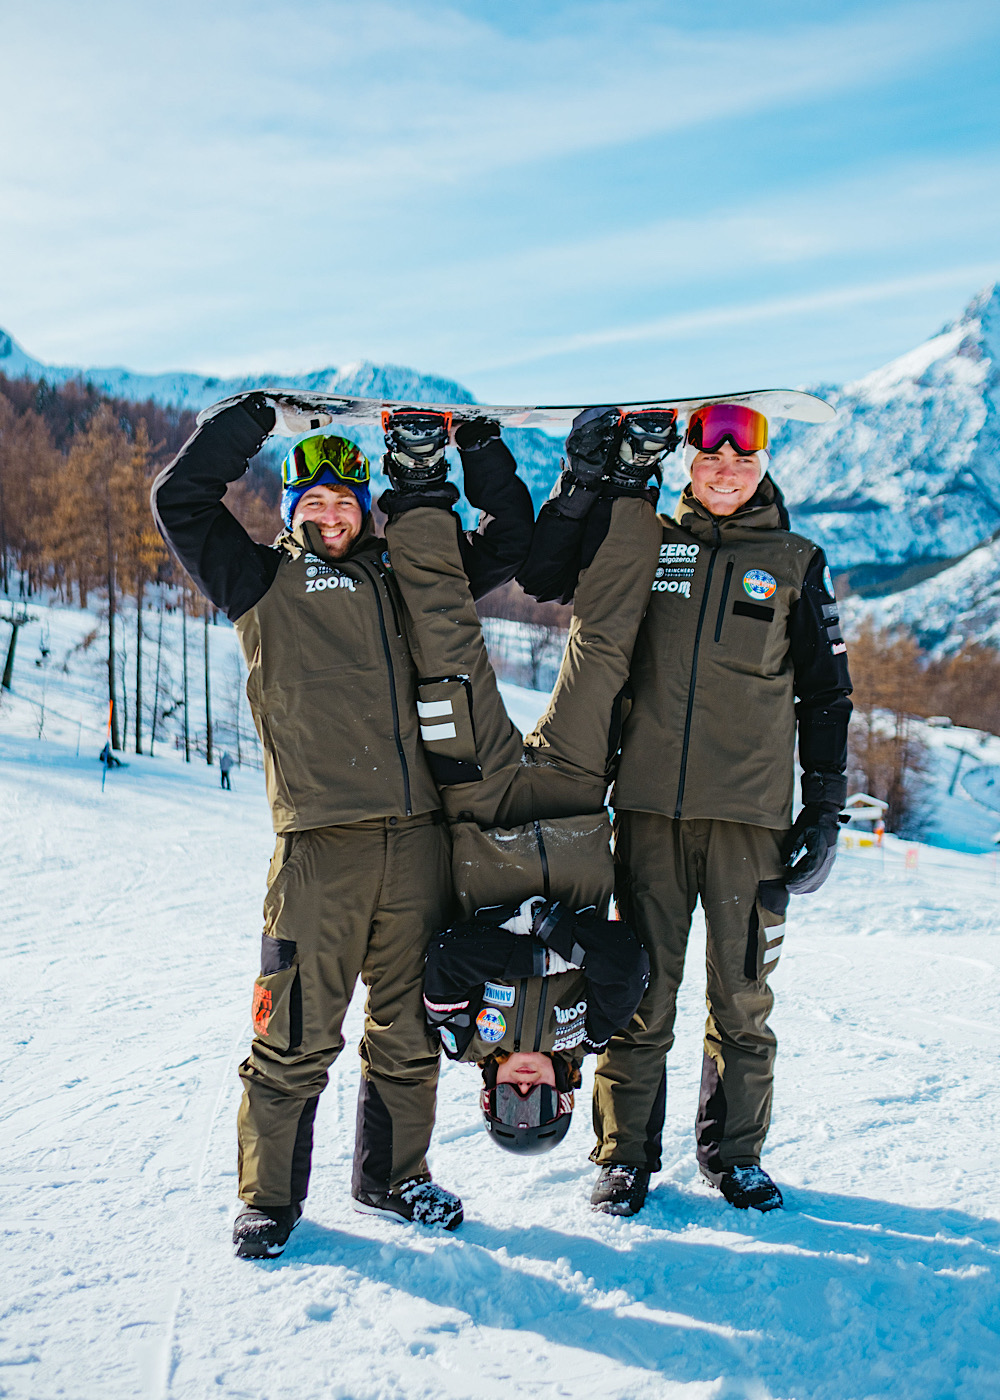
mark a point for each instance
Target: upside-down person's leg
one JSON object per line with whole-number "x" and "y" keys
{"x": 470, "y": 741}
{"x": 578, "y": 734}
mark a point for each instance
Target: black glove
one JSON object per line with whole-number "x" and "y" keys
{"x": 477, "y": 432}
{"x": 592, "y": 442}
{"x": 260, "y": 411}
{"x": 811, "y": 845}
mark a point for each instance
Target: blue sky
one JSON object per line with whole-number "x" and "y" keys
{"x": 550, "y": 202}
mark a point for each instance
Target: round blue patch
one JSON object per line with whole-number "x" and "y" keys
{"x": 759, "y": 584}
{"x": 491, "y": 1025}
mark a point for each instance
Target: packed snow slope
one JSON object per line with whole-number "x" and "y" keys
{"x": 130, "y": 940}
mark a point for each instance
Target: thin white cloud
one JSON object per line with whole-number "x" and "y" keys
{"x": 695, "y": 323}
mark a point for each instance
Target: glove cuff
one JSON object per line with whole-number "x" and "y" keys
{"x": 395, "y": 503}
{"x": 827, "y": 791}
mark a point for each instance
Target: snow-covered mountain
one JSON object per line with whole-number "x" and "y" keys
{"x": 197, "y": 391}
{"x": 904, "y": 482}
{"x": 908, "y": 473}
{"x": 537, "y": 454}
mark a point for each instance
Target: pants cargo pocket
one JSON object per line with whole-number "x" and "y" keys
{"x": 277, "y": 996}
{"x": 767, "y": 930}
{"x": 444, "y": 708}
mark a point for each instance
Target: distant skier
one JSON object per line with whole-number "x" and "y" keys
{"x": 109, "y": 758}
{"x": 534, "y": 975}
{"x": 225, "y": 768}
{"x": 360, "y": 873}
{"x": 740, "y": 643}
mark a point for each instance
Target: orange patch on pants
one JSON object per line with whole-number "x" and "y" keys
{"x": 261, "y": 1009}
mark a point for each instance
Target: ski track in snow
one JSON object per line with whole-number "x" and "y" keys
{"x": 131, "y": 923}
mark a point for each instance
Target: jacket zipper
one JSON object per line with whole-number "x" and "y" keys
{"x": 522, "y": 995}
{"x": 392, "y": 691}
{"x": 540, "y": 1022}
{"x": 543, "y": 857}
{"x": 722, "y": 601}
{"x": 392, "y": 602}
{"x": 694, "y": 673}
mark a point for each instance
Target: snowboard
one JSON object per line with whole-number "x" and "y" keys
{"x": 552, "y": 418}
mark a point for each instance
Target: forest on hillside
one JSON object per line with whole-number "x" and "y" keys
{"x": 76, "y": 468}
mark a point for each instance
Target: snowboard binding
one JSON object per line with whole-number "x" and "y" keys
{"x": 415, "y": 442}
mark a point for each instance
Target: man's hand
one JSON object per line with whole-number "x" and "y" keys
{"x": 592, "y": 441}
{"x": 811, "y": 845}
{"x": 476, "y": 433}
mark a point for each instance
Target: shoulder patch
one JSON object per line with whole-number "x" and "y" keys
{"x": 448, "y": 1040}
{"x": 828, "y": 581}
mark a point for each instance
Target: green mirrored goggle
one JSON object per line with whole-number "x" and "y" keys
{"x": 313, "y": 456}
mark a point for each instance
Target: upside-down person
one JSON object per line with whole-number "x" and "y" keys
{"x": 534, "y": 974}
{"x": 360, "y": 874}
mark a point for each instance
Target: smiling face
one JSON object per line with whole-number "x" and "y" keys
{"x": 725, "y": 479}
{"x": 336, "y": 511}
{"x": 526, "y": 1069}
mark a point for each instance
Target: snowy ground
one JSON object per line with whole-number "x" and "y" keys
{"x": 130, "y": 925}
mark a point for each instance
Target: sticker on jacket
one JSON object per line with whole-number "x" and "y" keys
{"x": 320, "y": 577}
{"x": 571, "y": 1023}
{"x": 759, "y": 584}
{"x": 448, "y": 1040}
{"x": 498, "y": 995}
{"x": 491, "y": 1025}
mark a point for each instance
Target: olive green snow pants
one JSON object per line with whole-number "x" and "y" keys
{"x": 662, "y": 867}
{"x": 526, "y": 816}
{"x": 344, "y": 902}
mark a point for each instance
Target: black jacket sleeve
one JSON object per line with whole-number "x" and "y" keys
{"x": 561, "y": 549}
{"x": 229, "y": 568}
{"x": 460, "y": 961}
{"x": 496, "y": 549}
{"x": 614, "y": 962}
{"x": 821, "y": 678}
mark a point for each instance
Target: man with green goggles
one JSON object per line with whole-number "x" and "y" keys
{"x": 361, "y": 870}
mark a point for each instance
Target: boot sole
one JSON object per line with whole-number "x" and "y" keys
{"x": 387, "y": 1213}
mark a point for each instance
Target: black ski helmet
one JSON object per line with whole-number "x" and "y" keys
{"x": 532, "y": 1123}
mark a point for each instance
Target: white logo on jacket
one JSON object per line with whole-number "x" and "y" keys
{"x": 331, "y": 579}
{"x": 570, "y": 1013}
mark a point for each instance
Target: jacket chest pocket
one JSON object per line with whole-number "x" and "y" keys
{"x": 333, "y": 628}
{"x": 750, "y": 618}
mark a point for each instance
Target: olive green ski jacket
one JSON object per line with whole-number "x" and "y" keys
{"x": 332, "y": 685}
{"x": 741, "y": 640}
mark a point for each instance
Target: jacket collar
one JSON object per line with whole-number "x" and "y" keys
{"x": 764, "y": 511}
{"x": 306, "y": 539}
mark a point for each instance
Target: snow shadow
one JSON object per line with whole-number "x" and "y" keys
{"x": 835, "y": 1297}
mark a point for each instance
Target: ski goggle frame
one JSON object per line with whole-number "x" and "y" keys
{"x": 715, "y": 423}
{"x": 543, "y": 1104}
{"x": 312, "y": 456}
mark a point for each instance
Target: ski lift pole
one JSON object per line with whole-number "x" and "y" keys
{"x": 107, "y": 748}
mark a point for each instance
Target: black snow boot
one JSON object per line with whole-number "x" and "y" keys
{"x": 261, "y": 1232}
{"x": 415, "y": 444}
{"x": 422, "y": 1202}
{"x": 646, "y": 438}
{"x": 620, "y": 1190}
{"x": 750, "y": 1186}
